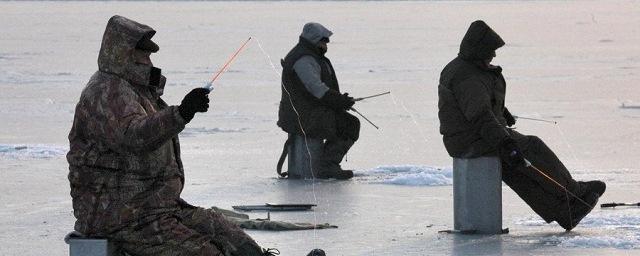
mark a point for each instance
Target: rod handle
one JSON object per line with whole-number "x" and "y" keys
{"x": 609, "y": 205}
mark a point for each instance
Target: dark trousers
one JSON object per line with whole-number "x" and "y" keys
{"x": 545, "y": 197}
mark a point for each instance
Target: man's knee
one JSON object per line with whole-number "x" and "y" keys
{"x": 348, "y": 126}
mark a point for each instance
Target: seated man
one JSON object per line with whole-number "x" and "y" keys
{"x": 312, "y": 105}
{"x": 125, "y": 169}
{"x": 474, "y": 120}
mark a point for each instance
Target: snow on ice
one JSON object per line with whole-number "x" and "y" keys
{"x": 409, "y": 175}
{"x": 31, "y": 151}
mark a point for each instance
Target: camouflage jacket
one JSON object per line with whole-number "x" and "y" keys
{"x": 124, "y": 157}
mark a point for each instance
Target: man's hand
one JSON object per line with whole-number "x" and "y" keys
{"x": 197, "y": 100}
{"x": 508, "y": 117}
{"x": 348, "y": 101}
{"x": 338, "y": 101}
{"x": 510, "y": 153}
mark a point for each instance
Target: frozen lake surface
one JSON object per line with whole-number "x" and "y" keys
{"x": 574, "y": 62}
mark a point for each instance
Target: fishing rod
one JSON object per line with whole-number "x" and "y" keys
{"x": 529, "y": 164}
{"x": 535, "y": 119}
{"x": 209, "y": 85}
{"x": 375, "y": 95}
{"x": 365, "y": 118}
{"x": 612, "y": 205}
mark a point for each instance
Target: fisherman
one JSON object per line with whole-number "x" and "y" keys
{"x": 474, "y": 121}
{"x": 126, "y": 174}
{"x": 312, "y": 104}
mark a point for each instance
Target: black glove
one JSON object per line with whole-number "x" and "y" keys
{"x": 510, "y": 153}
{"x": 335, "y": 100}
{"x": 197, "y": 100}
{"x": 508, "y": 117}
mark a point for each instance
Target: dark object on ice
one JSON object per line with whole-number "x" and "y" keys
{"x": 275, "y": 207}
{"x": 316, "y": 252}
{"x": 630, "y": 106}
{"x": 612, "y": 205}
{"x": 464, "y": 232}
{"x": 471, "y": 106}
{"x": 80, "y": 245}
{"x": 313, "y": 106}
{"x": 197, "y": 100}
{"x": 469, "y": 232}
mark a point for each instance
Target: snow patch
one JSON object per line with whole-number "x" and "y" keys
{"x": 31, "y": 151}
{"x": 407, "y": 175}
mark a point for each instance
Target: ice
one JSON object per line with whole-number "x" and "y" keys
{"x": 621, "y": 228}
{"x": 554, "y": 63}
{"x": 408, "y": 175}
{"x": 627, "y": 240}
{"x": 195, "y": 131}
{"x": 32, "y": 151}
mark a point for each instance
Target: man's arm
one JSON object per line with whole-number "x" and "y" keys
{"x": 126, "y": 126}
{"x": 308, "y": 70}
{"x": 475, "y": 102}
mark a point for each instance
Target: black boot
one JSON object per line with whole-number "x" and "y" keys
{"x": 594, "y": 186}
{"x": 328, "y": 166}
{"x": 316, "y": 252}
{"x": 579, "y": 210}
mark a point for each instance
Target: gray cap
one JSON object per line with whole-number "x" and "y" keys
{"x": 314, "y": 32}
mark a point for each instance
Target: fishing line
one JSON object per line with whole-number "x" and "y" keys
{"x": 557, "y": 183}
{"x": 395, "y": 102}
{"x": 313, "y": 178}
{"x": 566, "y": 142}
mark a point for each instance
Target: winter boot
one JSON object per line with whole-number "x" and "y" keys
{"x": 594, "y": 186}
{"x": 579, "y": 210}
{"x": 328, "y": 166}
{"x": 316, "y": 252}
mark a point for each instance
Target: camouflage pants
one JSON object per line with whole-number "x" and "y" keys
{"x": 192, "y": 231}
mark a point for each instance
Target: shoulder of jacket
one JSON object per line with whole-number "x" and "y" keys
{"x": 102, "y": 83}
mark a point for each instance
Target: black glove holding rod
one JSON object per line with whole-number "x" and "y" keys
{"x": 197, "y": 100}
{"x": 335, "y": 100}
{"x": 510, "y": 154}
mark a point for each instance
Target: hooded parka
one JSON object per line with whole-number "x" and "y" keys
{"x": 471, "y": 97}
{"x": 472, "y": 113}
{"x": 126, "y": 174}
{"x": 317, "y": 119}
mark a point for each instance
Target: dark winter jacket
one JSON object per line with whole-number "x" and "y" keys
{"x": 471, "y": 97}
{"x": 317, "y": 119}
{"x": 124, "y": 156}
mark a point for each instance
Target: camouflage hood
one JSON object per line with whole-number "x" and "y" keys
{"x": 479, "y": 42}
{"x": 118, "y": 46}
